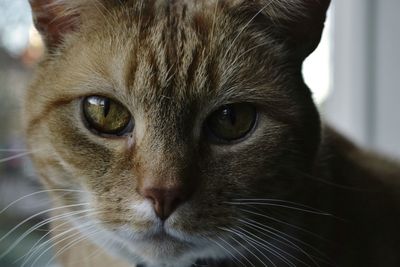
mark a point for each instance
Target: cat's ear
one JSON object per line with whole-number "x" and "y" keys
{"x": 302, "y": 21}
{"x": 54, "y": 19}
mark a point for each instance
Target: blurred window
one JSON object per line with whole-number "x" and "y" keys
{"x": 317, "y": 68}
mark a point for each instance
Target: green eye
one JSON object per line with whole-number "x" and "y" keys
{"x": 106, "y": 116}
{"x": 231, "y": 122}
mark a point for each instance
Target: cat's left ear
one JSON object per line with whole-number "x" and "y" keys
{"x": 301, "y": 21}
{"x": 54, "y": 19}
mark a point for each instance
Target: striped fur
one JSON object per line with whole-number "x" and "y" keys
{"x": 172, "y": 63}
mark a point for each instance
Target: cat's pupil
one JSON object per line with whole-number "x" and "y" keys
{"x": 228, "y": 114}
{"x": 106, "y": 116}
{"x": 231, "y": 122}
{"x": 106, "y": 106}
{"x": 104, "y": 103}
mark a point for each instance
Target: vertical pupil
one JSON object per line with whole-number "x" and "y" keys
{"x": 228, "y": 114}
{"x": 106, "y": 106}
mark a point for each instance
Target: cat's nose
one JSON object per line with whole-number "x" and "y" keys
{"x": 165, "y": 201}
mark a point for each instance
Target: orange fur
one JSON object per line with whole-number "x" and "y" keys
{"x": 172, "y": 63}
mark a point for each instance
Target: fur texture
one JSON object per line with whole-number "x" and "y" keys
{"x": 171, "y": 63}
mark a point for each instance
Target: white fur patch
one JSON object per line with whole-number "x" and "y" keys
{"x": 144, "y": 209}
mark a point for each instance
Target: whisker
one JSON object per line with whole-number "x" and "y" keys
{"x": 228, "y": 251}
{"x": 52, "y": 244}
{"x": 36, "y": 193}
{"x": 297, "y": 206}
{"x": 256, "y": 226}
{"x": 93, "y": 254}
{"x": 281, "y": 206}
{"x": 237, "y": 242}
{"x": 245, "y": 239}
{"x": 71, "y": 244}
{"x": 285, "y": 223}
{"x": 236, "y": 250}
{"x": 56, "y": 243}
{"x": 14, "y": 150}
{"x": 277, "y": 200}
{"x": 37, "y": 214}
{"x": 274, "y": 250}
{"x": 20, "y": 155}
{"x": 333, "y": 184}
{"x": 34, "y": 247}
{"x": 36, "y": 226}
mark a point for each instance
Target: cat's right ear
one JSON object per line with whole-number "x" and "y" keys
{"x": 54, "y": 19}
{"x": 298, "y": 21}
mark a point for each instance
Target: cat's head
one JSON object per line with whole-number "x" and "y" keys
{"x": 154, "y": 116}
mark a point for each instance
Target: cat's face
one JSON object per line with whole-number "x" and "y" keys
{"x": 160, "y": 113}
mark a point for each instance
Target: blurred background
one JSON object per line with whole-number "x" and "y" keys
{"x": 20, "y": 49}
{"x": 354, "y": 75}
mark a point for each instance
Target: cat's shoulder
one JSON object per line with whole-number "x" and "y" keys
{"x": 350, "y": 163}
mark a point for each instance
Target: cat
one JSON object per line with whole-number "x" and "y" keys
{"x": 178, "y": 133}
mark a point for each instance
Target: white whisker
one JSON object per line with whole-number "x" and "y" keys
{"x": 14, "y": 150}
{"x": 53, "y": 244}
{"x": 276, "y": 200}
{"x": 20, "y": 155}
{"x": 36, "y": 193}
{"x": 281, "y": 206}
{"x": 37, "y": 214}
{"x": 283, "y": 222}
{"x": 35, "y": 246}
{"x": 245, "y": 239}
{"x": 258, "y": 227}
{"x": 71, "y": 244}
{"x": 274, "y": 250}
{"x": 36, "y": 226}
{"x": 228, "y": 251}
{"x": 237, "y": 251}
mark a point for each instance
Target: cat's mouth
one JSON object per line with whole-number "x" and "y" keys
{"x": 165, "y": 235}
{"x": 159, "y": 234}
{"x": 161, "y": 237}
{"x": 163, "y": 244}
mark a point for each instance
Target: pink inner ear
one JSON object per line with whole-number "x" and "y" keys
{"x": 53, "y": 20}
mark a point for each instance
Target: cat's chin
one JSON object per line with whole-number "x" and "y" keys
{"x": 164, "y": 247}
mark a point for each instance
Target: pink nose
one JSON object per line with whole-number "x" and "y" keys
{"x": 165, "y": 201}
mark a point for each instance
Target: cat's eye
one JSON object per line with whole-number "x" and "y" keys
{"x": 231, "y": 123}
{"x": 106, "y": 116}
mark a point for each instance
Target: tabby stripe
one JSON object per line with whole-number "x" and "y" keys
{"x": 46, "y": 111}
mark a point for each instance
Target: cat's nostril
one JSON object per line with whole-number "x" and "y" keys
{"x": 165, "y": 201}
